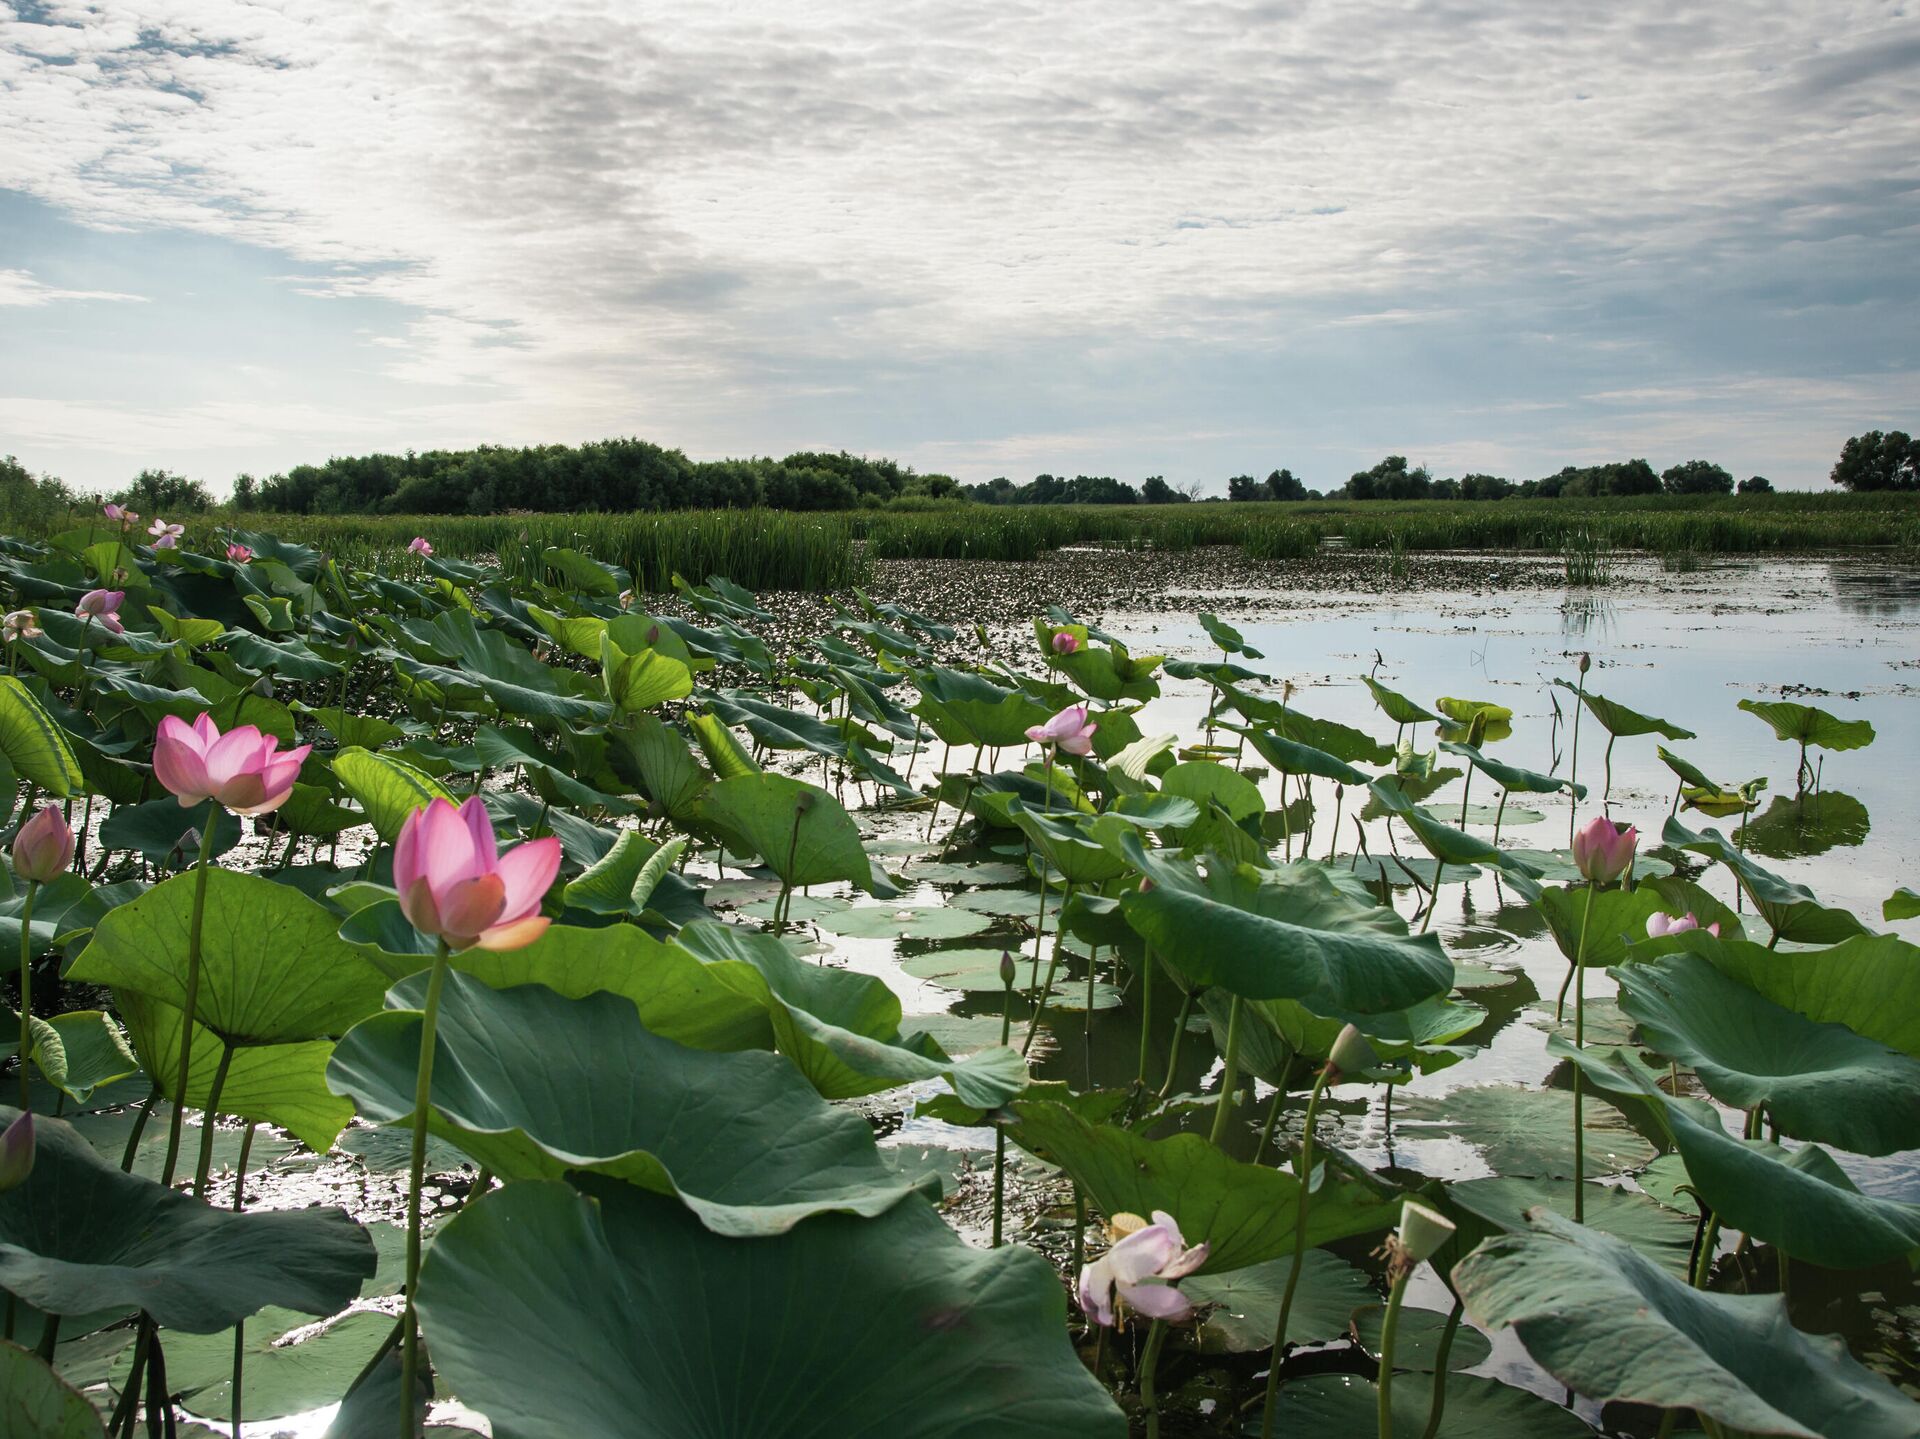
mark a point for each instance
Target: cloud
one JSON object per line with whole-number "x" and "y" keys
{"x": 19, "y": 288}
{"x": 727, "y": 225}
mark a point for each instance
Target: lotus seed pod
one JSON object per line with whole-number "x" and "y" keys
{"x": 1422, "y": 1231}
{"x": 1123, "y": 1224}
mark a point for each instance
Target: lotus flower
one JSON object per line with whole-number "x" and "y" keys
{"x": 1070, "y": 730}
{"x": 20, "y": 625}
{"x": 43, "y": 847}
{"x": 1602, "y": 851}
{"x": 16, "y": 1152}
{"x": 165, "y": 536}
{"x": 1064, "y": 643}
{"x": 1142, "y": 1269}
{"x": 418, "y": 546}
{"x": 104, "y": 606}
{"x": 1351, "y": 1055}
{"x": 121, "y": 515}
{"x": 454, "y": 885}
{"x": 239, "y": 769}
{"x": 1664, "y": 924}
{"x": 239, "y": 554}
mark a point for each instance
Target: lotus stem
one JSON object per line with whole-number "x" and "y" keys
{"x": 1149, "y": 1361}
{"x": 1305, "y": 1173}
{"x": 209, "y": 1117}
{"x": 240, "y": 1329}
{"x": 1580, "y": 1042}
{"x": 416, "y": 1173}
{"x": 193, "y": 994}
{"x": 1389, "y": 1329}
{"x": 26, "y": 996}
{"x": 1229, "y": 1077}
{"x": 1498, "y": 815}
{"x": 1053, "y": 964}
{"x": 1573, "y": 764}
{"x": 139, "y": 1128}
{"x": 1438, "y": 1408}
{"x": 1179, "y": 1033}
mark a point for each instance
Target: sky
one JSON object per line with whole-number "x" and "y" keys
{"x": 984, "y": 237}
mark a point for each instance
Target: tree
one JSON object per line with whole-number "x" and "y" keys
{"x": 1154, "y": 490}
{"x": 155, "y": 491}
{"x": 1284, "y": 485}
{"x": 1756, "y": 485}
{"x": 245, "y": 492}
{"x": 1484, "y": 487}
{"x": 1876, "y": 461}
{"x": 1245, "y": 487}
{"x": 1391, "y": 480}
{"x": 1696, "y": 477}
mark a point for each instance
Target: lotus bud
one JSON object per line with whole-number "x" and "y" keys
{"x": 1602, "y": 851}
{"x": 1422, "y": 1231}
{"x": 16, "y": 1152}
{"x": 1477, "y": 730}
{"x": 1064, "y": 643}
{"x": 1585, "y": 662}
{"x": 239, "y": 554}
{"x": 43, "y": 847}
{"x": 1007, "y": 970}
{"x": 1352, "y": 1054}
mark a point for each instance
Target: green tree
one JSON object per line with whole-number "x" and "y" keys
{"x": 1245, "y": 487}
{"x": 1391, "y": 480}
{"x": 1756, "y": 485}
{"x": 1876, "y": 461}
{"x": 1696, "y": 477}
{"x": 1285, "y": 485}
{"x": 156, "y": 492}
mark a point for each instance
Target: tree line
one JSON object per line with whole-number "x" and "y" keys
{"x": 625, "y": 475}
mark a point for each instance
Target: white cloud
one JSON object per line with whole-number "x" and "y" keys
{"x": 700, "y": 221}
{"x": 18, "y": 287}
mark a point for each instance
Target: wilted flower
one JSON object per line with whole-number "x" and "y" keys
{"x": 418, "y": 546}
{"x": 1141, "y": 1269}
{"x": 165, "y": 536}
{"x": 1064, "y": 643}
{"x": 1602, "y": 851}
{"x": 626, "y": 599}
{"x": 239, "y": 769}
{"x": 20, "y": 625}
{"x": 43, "y": 847}
{"x": 1664, "y": 924}
{"x": 16, "y": 1152}
{"x": 455, "y": 885}
{"x": 1070, "y": 730}
{"x": 104, "y": 606}
{"x": 239, "y": 554}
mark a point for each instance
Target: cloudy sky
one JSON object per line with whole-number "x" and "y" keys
{"x": 984, "y": 236}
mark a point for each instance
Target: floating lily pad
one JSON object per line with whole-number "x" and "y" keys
{"x": 981, "y": 872}
{"x": 886, "y": 921}
{"x": 1416, "y": 1344}
{"x": 1471, "y": 974}
{"x": 801, "y": 908}
{"x": 1022, "y": 904}
{"x": 283, "y": 1376}
{"x": 967, "y": 969}
{"x": 1476, "y": 1408}
{"x": 1527, "y": 1132}
{"x": 1248, "y": 1302}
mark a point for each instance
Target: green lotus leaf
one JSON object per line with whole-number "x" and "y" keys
{"x": 286, "y": 1373}
{"x": 890, "y": 921}
{"x": 889, "y": 1328}
{"x": 1248, "y": 1302}
{"x": 80, "y": 1236}
{"x": 1444, "y": 842}
{"x": 273, "y": 966}
{"x": 34, "y": 744}
{"x": 1292, "y": 757}
{"x": 388, "y": 789}
{"x": 1071, "y": 843}
{"x": 1620, "y": 722}
{"x": 1476, "y": 1408}
{"x": 1616, "y": 922}
{"x": 1298, "y": 937}
{"x": 799, "y": 829}
{"x": 36, "y": 1403}
{"x": 1511, "y": 777}
{"x": 1816, "y": 1081}
{"x": 1790, "y": 909}
{"x": 1502, "y": 1206}
{"x": 1903, "y": 903}
{"x": 1398, "y": 707}
{"x": 1806, "y": 725}
{"x": 535, "y": 1085}
{"x": 1204, "y": 781}
{"x": 1246, "y": 1212}
{"x": 1612, "y": 1325}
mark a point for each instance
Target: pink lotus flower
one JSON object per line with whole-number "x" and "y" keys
{"x": 1064, "y": 643}
{"x": 43, "y": 847}
{"x": 16, "y": 1152}
{"x": 121, "y": 515}
{"x": 1142, "y": 1269}
{"x": 20, "y": 625}
{"x": 419, "y": 546}
{"x": 1070, "y": 730}
{"x": 240, "y": 769}
{"x": 1665, "y": 924}
{"x": 104, "y": 606}
{"x": 454, "y": 885}
{"x": 165, "y": 536}
{"x": 1602, "y": 851}
{"x": 239, "y": 554}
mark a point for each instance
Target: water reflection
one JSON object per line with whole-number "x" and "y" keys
{"x": 1874, "y": 589}
{"x": 1799, "y": 826}
{"x": 1586, "y": 616}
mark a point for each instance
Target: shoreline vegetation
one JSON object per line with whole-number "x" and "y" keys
{"x": 785, "y": 550}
